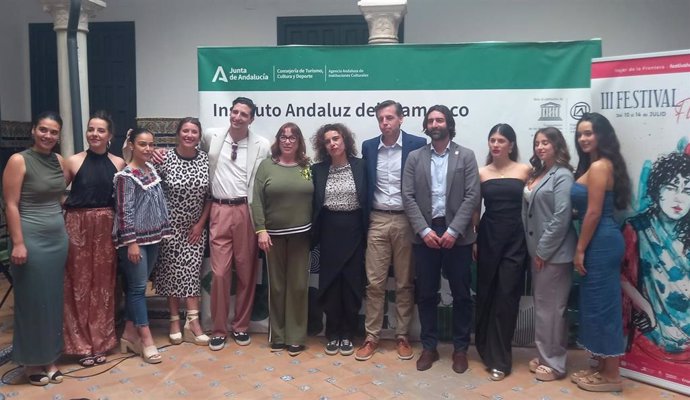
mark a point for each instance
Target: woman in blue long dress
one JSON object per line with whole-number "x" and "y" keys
{"x": 33, "y": 185}
{"x": 602, "y": 185}
{"x": 501, "y": 251}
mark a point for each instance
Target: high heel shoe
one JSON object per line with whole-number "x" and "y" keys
{"x": 126, "y": 346}
{"x": 151, "y": 355}
{"x": 189, "y": 336}
{"x": 175, "y": 338}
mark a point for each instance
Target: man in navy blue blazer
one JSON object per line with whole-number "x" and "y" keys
{"x": 390, "y": 235}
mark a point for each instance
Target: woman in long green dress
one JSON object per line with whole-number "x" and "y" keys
{"x": 33, "y": 184}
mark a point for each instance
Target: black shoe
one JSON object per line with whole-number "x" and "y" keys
{"x": 295, "y": 349}
{"x": 346, "y": 347}
{"x": 216, "y": 343}
{"x": 332, "y": 347}
{"x": 241, "y": 338}
{"x": 277, "y": 347}
{"x": 39, "y": 379}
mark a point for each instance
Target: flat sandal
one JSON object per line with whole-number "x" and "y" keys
{"x": 583, "y": 373}
{"x": 599, "y": 383}
{"x": 55, "y": 376}
{"x": 39, "y": 379}
{"x": 545, "y": 373}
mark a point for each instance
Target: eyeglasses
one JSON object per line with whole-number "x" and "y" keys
{"x": 233, "y": 155}
{"x": 286, "y": 139}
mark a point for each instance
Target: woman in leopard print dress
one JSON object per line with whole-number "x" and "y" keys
{"x": 177, "y": 274}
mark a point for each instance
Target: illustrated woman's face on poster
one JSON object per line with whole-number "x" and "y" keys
{"x": 674, "y": 197}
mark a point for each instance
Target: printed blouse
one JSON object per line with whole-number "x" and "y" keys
{"x": 141, "y": 214}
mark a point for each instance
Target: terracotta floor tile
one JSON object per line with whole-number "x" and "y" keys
{"x": 253, "y": 372}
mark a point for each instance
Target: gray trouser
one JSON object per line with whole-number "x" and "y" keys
{"x": 551, "y": 287}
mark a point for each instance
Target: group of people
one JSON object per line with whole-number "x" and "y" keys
{"x": 406, "y": 203}
{"x": 530, "y": 209}
{"x": 64, "y": 254}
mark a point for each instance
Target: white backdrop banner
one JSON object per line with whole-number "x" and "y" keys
{"x": 527, "y": 85}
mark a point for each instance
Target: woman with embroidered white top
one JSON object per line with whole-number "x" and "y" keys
{"x": 141, "y": 222}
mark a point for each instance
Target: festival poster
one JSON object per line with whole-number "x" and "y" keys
{"x": 647, "y": 99}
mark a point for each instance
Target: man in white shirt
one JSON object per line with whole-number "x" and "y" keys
{"x": 234, "y": 156}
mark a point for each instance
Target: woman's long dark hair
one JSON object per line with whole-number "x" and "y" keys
{"x": 560, "y": 148}
{"x": 607, "y": 147}
{"x": 51, "y": 115}
{"x": 507, "y": 132}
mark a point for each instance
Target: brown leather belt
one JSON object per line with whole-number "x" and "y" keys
{"x": 233, "y": 202}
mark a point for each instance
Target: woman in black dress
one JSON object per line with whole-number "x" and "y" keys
{"x": 339, "y": 226}
{"x": 501, "y": 251}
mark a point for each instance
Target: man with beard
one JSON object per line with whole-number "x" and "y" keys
{"x": 440, "y": 193}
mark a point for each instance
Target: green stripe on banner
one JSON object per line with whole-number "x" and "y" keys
{"x": 495, "y": 65}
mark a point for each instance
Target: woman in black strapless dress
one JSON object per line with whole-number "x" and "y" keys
{"x": 501, "y": 251}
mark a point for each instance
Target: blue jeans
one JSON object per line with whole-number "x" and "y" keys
{"x": 136, "y": 278}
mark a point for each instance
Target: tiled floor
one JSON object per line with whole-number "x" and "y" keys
{"x": 253, "y": 372}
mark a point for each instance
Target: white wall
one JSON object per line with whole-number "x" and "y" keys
{"x": 625, "y": 26}
{"x": 168, "y": 32}
{"x": 15, "y": 85}
{"x": 167, "y": 37}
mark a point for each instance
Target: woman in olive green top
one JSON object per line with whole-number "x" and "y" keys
{"x": 281, "y": 211}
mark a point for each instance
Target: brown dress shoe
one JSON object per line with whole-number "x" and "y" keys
{"x": 427, "y": 359}
{"x": 459, "y": 361}
{"x": 366, "y": 351}
{"x": 404, "y": 349}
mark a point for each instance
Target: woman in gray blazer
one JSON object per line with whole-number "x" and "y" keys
{"x": 551, "y": 241}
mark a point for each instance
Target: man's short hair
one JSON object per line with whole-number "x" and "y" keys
{"x": 450, "y": 121}
{"x": 247, "y": 102}
{"x": 388, "y": 103}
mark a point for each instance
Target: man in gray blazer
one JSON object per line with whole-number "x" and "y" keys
{"x": 234, "y": 156}
{"x": 440, "y": 192}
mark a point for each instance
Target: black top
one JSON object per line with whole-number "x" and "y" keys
{"x": 92, "y": 186}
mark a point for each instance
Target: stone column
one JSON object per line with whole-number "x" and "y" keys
{"x": 383, "y": 17}
{"x": 59, "y": 9}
